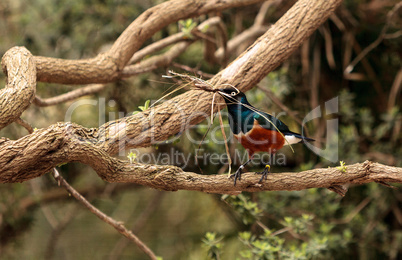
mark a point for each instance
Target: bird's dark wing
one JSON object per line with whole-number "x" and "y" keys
{"x": 270, "y": 122}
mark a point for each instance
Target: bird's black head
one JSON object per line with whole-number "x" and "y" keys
{"x": 231, "y": 94}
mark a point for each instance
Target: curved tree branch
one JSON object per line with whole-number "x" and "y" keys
{"x": 180, "y": 36}
{"x": 107, "y": 67}
{"x": 166, "y": 58}
{"x": 74, "y": 94}
{"x": 63, "y": 144}
{"x": 35, "y": 154}
{"x": 15, "y": 98}
{"x": 156, "y": 61}
{"x": 55, "y": 144}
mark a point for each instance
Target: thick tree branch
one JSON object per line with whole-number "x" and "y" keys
{"x": 64, "y": 143}
{"x": 107, "y": 67}
{"x": 66, "y": 146}
{"x": 15, "y": 98}
{"x": 37, "y": 153}
{"x": 173, "y": 179}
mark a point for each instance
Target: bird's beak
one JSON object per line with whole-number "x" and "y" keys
{"x": 220, "y": 91}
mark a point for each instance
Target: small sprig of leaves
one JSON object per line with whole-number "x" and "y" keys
{"x": 132, "y": 156}
{"x": 264, "y": 247}
{"x": 186, "y": 27}
{"x": 342, "y": 168}
{"x": 298, "y": 225}
{"x": 143, "y": 108}
{"x": 214, "y": 245}
{"x": 248, "y": 210}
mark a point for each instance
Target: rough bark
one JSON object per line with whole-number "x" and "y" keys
{"x": 67, "y": 142}
{"x": 19, "y": 67}
{"x": 107, "y": 67}
{"x": 36, "y": 154}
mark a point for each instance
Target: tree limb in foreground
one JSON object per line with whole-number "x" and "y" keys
{"x": 54, "y": 147}
{"x": 36, "y": 154}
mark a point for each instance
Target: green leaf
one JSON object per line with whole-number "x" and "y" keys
{"x": 246, "y": 236}
{"x": 146, "y": 106}
{"x": 132, "y": 156}
{"x": 342, "y": 168}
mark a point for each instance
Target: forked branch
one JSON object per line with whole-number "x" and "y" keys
{"x": 37, "y": 153}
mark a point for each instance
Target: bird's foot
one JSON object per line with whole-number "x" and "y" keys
{"x": 237, "y": 174}
{"x": 264, "y": 172}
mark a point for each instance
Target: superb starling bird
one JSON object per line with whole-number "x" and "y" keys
{"x": 257, "y": 131}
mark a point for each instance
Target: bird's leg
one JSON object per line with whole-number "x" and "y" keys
{"x": 237, "y": 174}
{"x": 264, "y": 173}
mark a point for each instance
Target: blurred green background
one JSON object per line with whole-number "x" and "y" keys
{"x": 39, "y": 220}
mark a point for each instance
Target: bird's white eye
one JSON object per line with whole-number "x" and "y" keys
{"x": 233, "y": 93}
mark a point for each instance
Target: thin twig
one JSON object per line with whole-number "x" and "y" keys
{"x": 234, "y": 43}
{"x": 156, "y": 46}
{"x": 224, "y": 41}
{"x": 338, "y": 22}
{"x": 160, "y": 60}
{"x": 281, "y": 105}
{"x": 328, "y": 45}
{"x": 156, "y": 61}
{"x": 58, "y": 194}
{"x": 25, "y": 124}
{"x": 57, "y": 230}
{"x": 259, "y": 18}
{"x": 193, "y": 70}
{"x": 254, "y": 31}
{"x": 396, "y": 87}
{"x": 375, "y": 43}
{"x": 175, "y": 38}
{"x": 74, "y": 94}
{"x": 166, "y": 58}
{"x": 117, "y": 225}
{"x": 47, "y": 213}
{"x": 354, "y": 212}
{"x": 280, "y": 231}
{"x": 138, "y": 225}
{"x": 224, "y": 137}
{"x": 393, "y": 35}
{"x": 371, "y": 74}
{"x": 315, "y": 73}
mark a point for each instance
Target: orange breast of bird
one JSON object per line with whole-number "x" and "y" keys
{"x": 259, "y": 139}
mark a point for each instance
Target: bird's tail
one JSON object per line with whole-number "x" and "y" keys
{"x": 305, "y": 138}
{"x": 293, "y": 138}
